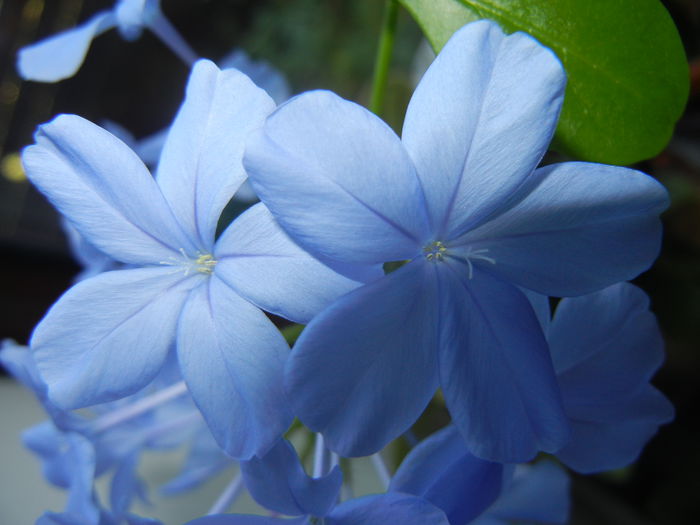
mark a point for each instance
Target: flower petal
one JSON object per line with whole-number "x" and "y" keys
{"x": 480, "y": 121}
{"x": 442, "y": 471}
{"x": 338, "y": 180}
{"x": 582, "y": 227}
{"x": 279, "y": 483}
{"x": 200, "y": 168}
{"x": 495, "y": 369}
{"x": 392, "y": 507}
{"x": 598, "y": 444}
{"x": 232, "y": 357}
{"x": 259, "y": 260}
{"x": 246, "y": 519}
{"x": 60, "y": 56}
{"x": 97, "y": 343}
{"x": 365, "y": 368}
{"x": 104, "y": 190}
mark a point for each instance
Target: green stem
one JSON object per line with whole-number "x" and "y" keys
{"x": 381, "y": 64}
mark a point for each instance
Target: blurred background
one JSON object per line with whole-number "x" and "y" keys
{"x": 326, "y": 44}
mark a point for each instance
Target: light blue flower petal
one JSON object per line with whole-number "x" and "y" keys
{"x": 598, "y": 444}
{"x": 263, "y": 74}
{"x": 364, "y": 369}
{"x": 278, "y": 482}
{"x": 605, "y": 348}
{"x": 496, "y": 373}
{"x": 60, "y": 56}
{"x": 205, "y": 459}
{"x": 97, "y": 343}
{"x": 538, "y": 493}
{"x": 338, "y": 180}
{"x": 442, "y": 471}
{"x": 261, "y": 262}
{"x": 582, "y": 227}
{"x": 126, "y": 484}
{"x": 200, "y": 168}
{"x": 105, "y": 191}
{"x": 392, "y": 507}
{"x": 246, "y": 519}
{"x": 232, "y": 359}
{"x": 480, "y": 121}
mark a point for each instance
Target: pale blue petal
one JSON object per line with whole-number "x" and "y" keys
{"x": 442, "y": 471}
{"x": 364, "y": 369}
{"x": 392, "y": 507}
{"x": 126, "y": 484}
{"x": 278, "y": 482}
{"x": 538, "y": 493}
{"x": 480, "y": 121}
{"x": 150, "y": 148}
{"x": 338, "y": 181}
{"x": 260, "y": 262}
{"x": 60, "y": 56}
{"x": 98, "y": 343}
{"x": 582, "y": 227}
{"x": 232, "y": 359}
{"x": 263, "y": 74}
{"x": 246, "y": 519}
{"x": 132, "y": 15}
{"x": 205, "y": 459}
{"x": 605, "y": 347}
{"x": 496, "y": 373}
{"x": 200, "y": 168}
{"x": 104, "y": 190}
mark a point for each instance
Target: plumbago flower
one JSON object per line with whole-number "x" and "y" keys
{"x": 109, "y": 335}
{"x": 60, "y": 56}
{"x": 458, "y": 198}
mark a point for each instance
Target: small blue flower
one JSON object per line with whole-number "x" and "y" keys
{"x": 108, "y": 336}
{"x": 60, "y": 56}
{"x": 460, "y": 198}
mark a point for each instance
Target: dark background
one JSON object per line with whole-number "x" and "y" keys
{"x": 331, "y": 44}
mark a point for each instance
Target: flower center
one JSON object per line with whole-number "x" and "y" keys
{"x": 435, "y": 251}
{"x": 204, "y": 263}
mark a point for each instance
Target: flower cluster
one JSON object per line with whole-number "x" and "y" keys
{"x": 172, "y": 347}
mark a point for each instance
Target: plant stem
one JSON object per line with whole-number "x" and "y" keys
{"x": 384, "y": 51}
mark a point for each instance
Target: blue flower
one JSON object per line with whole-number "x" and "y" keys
{"x": 108, "y": 336}
{"x": 278, "y": 482}
{"x": 459, "y": 198}
{"x": 473, "y": 491}
{"x": 60, "y": 56}
{"x": 605, "y": 348}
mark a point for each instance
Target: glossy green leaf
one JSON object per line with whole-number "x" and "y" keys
{"x": 627, "y": 70}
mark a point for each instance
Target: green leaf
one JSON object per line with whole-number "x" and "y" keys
{"x": 627, "y": 72}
